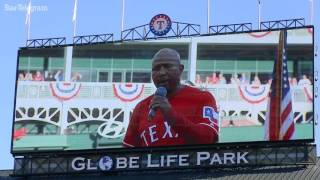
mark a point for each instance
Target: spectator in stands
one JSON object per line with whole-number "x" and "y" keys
{"x": 198, "y": 79}
{"x": 269, "y": 79}
{"x": 256, "y": 81}
{"x": 207, "y": 80}
{"x": 243, "y": 79}
{"x": 214, "y": 79}
{"x": 38, "y": 76}
{"x": 290, "y": 80}
{"x": 231, "y": 123}
{"x": 222, "y": 79}
{"x": 304, "y": 81}
{"x": 49, "y": 77}
{"x": 58, "y": 76}
{"x": 76, "y": 77}
{"x": 28, "y": 77}
{"x": 234, "y": 79}
{"x": 21, "y": 77}
{"x": 293, "y": 81}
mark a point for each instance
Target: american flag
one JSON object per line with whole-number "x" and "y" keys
{"x": 279, "y": 124}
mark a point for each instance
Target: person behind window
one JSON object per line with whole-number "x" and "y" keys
{"x": 293, "y": 81}
{"x": 58, "y": 76}
{"x": 21, "y": 77}
{"x": 214, "y": 79}
{"x": 222, "y": 79}
{"x": 38, "y": 76}
{"x": 76, "y": 77}
{"x": 50, "y": 77}
{"x": 256, "y": 81}
{"x": 304, "y": 81}
{"x": 198, "y": 79}
{"x": 28, "y": 77}
{"x": 235, "y": 79}
{"x": 243, "y": 79}
{"x": 207, "y": 80}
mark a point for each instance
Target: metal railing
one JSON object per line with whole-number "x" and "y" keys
{"x": 89, "y": 39}
{"x": 143, "y": 32}
{"x": 279, "y": 24}
{"x": 230, "y": 28}
{"x": 177, "y": 29}
{"x": 46, "y": 42}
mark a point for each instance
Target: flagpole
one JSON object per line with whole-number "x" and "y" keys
{"x": 74, "y": 28}
{"x": 29, "y": 28}
{"x": 74, "y": 17}
{"x": 259, "y": 14}
{"x": 122, "y": 16}
{"x": 208, "y": 16}
{"x": 28, "y": 19}
{"x": 311, "y": 12}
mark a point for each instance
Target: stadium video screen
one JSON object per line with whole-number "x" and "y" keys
{"x": 82, "y": 97}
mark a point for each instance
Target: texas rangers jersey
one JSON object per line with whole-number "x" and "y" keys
{"x": 196, "y": 121}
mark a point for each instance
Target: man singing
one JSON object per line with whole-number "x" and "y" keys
{"x": 183, "y": 115}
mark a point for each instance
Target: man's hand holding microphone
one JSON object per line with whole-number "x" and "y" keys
{"x": 160, "y": 101}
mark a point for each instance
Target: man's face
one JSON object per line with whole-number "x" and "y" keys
{"x": 166, "y": 73}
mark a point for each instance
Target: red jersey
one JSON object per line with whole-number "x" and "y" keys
{"x": 195, "y": 115}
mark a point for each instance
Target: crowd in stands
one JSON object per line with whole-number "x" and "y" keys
{"x": 214, "y": 78}
{"x": 219, "y": 78}
{"x": 47, "y": 76}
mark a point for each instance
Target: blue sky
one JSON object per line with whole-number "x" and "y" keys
{"x": 54, "y": 19}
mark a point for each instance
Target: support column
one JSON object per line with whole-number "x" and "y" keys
{"x": 67, "y": 76}
{"x": 68, "y": 57}
{"x": 192, "y": 61}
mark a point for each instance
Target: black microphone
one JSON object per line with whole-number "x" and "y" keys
{"x": 161, "y": 91}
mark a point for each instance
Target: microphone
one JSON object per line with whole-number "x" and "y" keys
{"x": 161, "y": 91}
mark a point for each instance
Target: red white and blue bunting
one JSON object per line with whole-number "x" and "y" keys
{"x": 259, "y": 34}
{"x": 65, "y": 90}
{"x": 128, "y": 92}
{"x": 253, "y": 94}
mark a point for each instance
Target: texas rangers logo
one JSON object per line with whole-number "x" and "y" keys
{"x": 253, "y": 94}
{"x": 64, "y": 90}
{"x": 128, "y": 92}
{"x": 211, "y": 114}
{"x": 160, "y": 24}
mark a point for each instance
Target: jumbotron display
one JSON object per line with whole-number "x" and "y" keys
{"x": 234, "y": 88}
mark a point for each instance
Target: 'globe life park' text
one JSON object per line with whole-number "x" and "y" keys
{"x": 152, "y": 161}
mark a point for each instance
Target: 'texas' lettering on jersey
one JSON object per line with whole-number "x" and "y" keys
{"x": 195, "y": 121}
{"x": 163, "y": 132}
{"x": 152, "y": 134}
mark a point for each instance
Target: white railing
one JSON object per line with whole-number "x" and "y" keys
{"x": 66, "y": 104}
